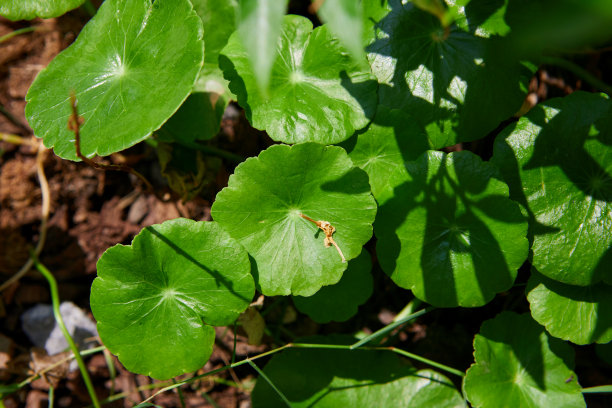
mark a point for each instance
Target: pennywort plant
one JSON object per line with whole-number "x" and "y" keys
{"x": 361, "y": 107}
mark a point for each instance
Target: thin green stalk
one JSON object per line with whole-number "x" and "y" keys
{"x": 427, "y": 361}
{"x": 58, "y": 363}
{"x": 12, "y": 34}
{"x": 314, "y": 346}
{"x": 60, "y": 322}
{"x": 408, "y": 309}
{"x": 215, "y": 151}
{"x": 144, "y": 387}
{"x": 111, "y": 370}
{"x": 209, "y": 399}
{"x": 234, "y": 348}
{"x": 578, "y": 71}
{"x": 270, "y": 383}
{"x": 180, "y": 394}
{"x": 51, "y": 396}
{"x": 379, "y": 333}
{"x": 278, "y": 301}
{"x": 17, "y": 140}
{"x": 597, "y": 389}
{"x": 218, "y": 370}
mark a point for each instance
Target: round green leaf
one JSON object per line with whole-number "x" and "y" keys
{"x": 580, "y": 314}
{"x": 155, "y": 300}
{"x": 131, "y": 68}
{"x": 450, "y": 233}
{"x": 339, "y": 302}
{"x": 451, "y": 81}
{"x": 219, "y": 21}
{"x": 351, "y": 378}
{"x": 391, "y": 139}
{"x": 317, "y": 92}
{"x": 517, "y": 364}
{"x": 557, "y": 163}
{"x": 30, "y": 9}
{"x": 261, "y": 208}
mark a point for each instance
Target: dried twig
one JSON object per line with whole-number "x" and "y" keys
{"x": 74, "y": 125}
{"x": 45, "y": 209}
{"x": 329, "y": 230}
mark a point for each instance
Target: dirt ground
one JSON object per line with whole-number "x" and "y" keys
{"x": 91, "y": 210}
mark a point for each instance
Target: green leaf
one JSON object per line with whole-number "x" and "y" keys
{"x": 450, "y": 233}
{"x": 344, "y": 19}
{"x": 518, "y": 365}
{"x": 450, "y": 80}
{"x": 219, "y": 21}
{"x": 261, "y": 208}
{"x": 131, "y": 67}
{"x": 556, "y": 161}
{"x": 351, "y": 378}
{"x": 29, "y": 9}
{"x": 155, "y": 300}
{"x": 339, "y": 302}
{"x": 391, "y": 139}
{"x": 198, "y": 118}
{"x": 317, "y": 91}
{"x": 259, "y": 26}
{"x": 580, "y": 314}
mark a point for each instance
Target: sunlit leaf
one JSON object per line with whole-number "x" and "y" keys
{"x": 156, "y": 300}
{"x": 454, "y": 81}
{"x": 317, "y": 92}
{"x": 517, "y": 364}
{"x": 29, "y": 9}
{"x": 129, "y": 73}
{"x": 261, "y": 208}
{"x": 557, "y": 163}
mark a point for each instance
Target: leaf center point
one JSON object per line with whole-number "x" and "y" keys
{"x": 169, "y": 293}
{"x": 296, "y": 77}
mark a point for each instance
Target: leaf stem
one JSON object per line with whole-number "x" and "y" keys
{"x": 597, "y": 389}
{"x": 379, "y": 333}
{"x": 427, "y": 361}
{"x": 51, "y": 396}
{"x": 60, "y": 322}
{"x": 249, "y": 360}
{"x": 215, "y": 151}
{"x": 15, "y": 33}
{"x": 17, "y": 140}
{"x": 270, "y": 383}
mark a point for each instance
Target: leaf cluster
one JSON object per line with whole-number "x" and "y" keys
{"x": 361, "y": 107}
